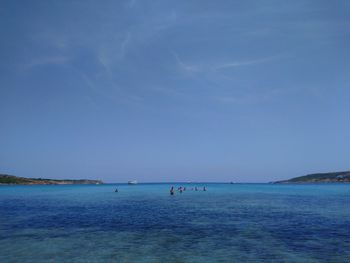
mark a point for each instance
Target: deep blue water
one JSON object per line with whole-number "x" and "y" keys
{"x": 143, "y": 223}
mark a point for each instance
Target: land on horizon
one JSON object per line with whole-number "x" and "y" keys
{"x": 13, "y": 180}
{"x": 332, "y": 177}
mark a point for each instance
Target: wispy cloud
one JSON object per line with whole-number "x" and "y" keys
{"x": 254, "y": 97}
{"x": 165, "y": 22}
{"x": 184, "y": 66}
{"x": 124, "y": 44}
{"x": 167, "y": 91}
{"x": 212, "y": 66}
{"x": 88, "y": 82}
{"x": 113, "y": 52}
{"x": 248, "y": 99}
{"x": 131, "y": 3}
{"x": 104, "y": 60}
{"x": 235, "y": 64}
{"x": 42, "y": 61}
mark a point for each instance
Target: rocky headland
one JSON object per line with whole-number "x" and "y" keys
{"x": 334, "y": 177}
{"x": 11, "y": 179}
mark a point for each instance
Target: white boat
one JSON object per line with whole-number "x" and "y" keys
{"x": 132, "y": 182}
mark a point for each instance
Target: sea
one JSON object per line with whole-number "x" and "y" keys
{"x": 144, "y": 223}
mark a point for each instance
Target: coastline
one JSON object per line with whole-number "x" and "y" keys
{"x": 6, "y": 179}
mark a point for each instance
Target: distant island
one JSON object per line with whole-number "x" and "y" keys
{"x": 11, "y": 179}
{"x": 334, "y": 177}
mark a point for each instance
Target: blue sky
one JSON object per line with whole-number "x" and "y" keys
{"x": 247, "y": 91}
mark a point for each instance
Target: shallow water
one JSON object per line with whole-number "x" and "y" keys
{"x": 143, "y": 223}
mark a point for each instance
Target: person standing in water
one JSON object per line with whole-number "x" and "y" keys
{"x": 172, "y": 190}
{"x": 204, "y": 189}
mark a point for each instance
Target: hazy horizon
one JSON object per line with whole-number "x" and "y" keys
{"x": 159, "y": 91}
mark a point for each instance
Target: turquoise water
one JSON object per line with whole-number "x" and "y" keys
{"x": 143, "y": 223}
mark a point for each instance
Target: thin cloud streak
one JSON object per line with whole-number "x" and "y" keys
{"x": 245, "y": 63}
{"x": 214, "y": 66}
{"x": 124, "y": 45}
{"x": 184, "y": 66}
{"x": 110, "y": 54}
{"x": 58, "y": 60}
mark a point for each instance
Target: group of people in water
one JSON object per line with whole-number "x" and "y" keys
{"x": 182, "y": 189}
